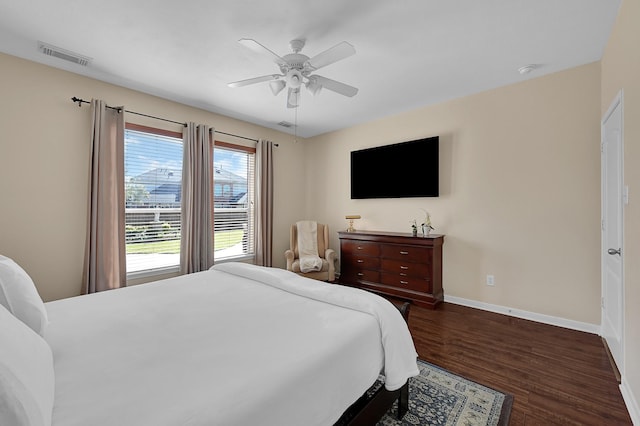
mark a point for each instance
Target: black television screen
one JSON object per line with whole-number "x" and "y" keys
{"x": 401, "y": 170}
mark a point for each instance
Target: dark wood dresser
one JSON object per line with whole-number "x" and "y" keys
{"x": 393, "y": 264}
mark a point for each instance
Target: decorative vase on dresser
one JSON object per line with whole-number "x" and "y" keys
{"x": 393, "y": 264}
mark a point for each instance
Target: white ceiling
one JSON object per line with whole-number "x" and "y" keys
{"x": 410, "y": 53}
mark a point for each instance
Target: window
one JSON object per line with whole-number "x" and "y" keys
{"x": 233, "y": 200}
{"x": 153, "y": 179}
{"x": 153, "y": 186}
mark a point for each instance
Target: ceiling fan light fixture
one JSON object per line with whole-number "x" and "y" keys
{"x": 293, "y": 98}
{"x": 313, "y": 86}
{"x": 277, "y": 86}
{"x": 294, "y": 79}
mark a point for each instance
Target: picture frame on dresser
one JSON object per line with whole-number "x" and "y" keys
{"x": 394, "y": 264}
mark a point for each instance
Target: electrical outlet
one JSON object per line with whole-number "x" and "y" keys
{"x": 491, "y": 280}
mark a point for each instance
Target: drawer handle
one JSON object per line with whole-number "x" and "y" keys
{"x": 404, "y": 252}
{"x": 360, "y": 261}
{"x": 360, "y": 274}
{"x": 404, "y": 267}
{"x": 404, "y": 282}
{"x": 402, "y": 274}
{"x": 359, "y": 248}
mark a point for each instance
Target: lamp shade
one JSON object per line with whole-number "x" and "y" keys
{"x": 313, "y": 86}
{"x": 277, "y": 86}
{"x": 351, "y": 218}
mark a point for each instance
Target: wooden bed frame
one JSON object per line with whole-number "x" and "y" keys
{"x": 377, "y": 400}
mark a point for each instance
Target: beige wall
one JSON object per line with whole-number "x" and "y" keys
{"x": 520, "y": 191}
{"x": 621, "y": 71}
{"x": 44, "y": 154}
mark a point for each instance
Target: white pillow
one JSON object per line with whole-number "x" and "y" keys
{"x": 19, "y": 295}
{"x": 26, "y": 375}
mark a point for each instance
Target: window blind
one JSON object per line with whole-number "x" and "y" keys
{"x": 233, "y": 201}
{"x": 153, "y": 182}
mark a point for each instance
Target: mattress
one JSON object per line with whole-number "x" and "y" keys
{"x": 215, "y": 348}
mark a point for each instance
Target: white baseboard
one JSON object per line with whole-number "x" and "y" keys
{"x": 631, "y": 402}
{"x": 532, "y": 316}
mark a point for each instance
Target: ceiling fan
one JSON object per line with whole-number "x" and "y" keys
{"x": 296, "y": 70}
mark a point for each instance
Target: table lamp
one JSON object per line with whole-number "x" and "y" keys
{"x": 351, "y": 218}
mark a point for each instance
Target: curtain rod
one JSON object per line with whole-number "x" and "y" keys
{"x": 82, "y": 101}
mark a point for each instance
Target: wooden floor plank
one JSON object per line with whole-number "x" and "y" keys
{"x": 556, "y": 375}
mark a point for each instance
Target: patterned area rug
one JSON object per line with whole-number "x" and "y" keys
{"x": 438, "y": 397}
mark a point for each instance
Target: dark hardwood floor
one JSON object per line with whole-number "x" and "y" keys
{"x": 557, "y": 376}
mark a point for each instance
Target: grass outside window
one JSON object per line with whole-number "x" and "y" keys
{"x": 222, "y": 240}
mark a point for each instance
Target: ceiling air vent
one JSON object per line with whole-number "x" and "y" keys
{"x": 285, "y": 124}
{"x": 66, "y": 55}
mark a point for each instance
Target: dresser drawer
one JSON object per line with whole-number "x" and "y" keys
{"x": 354, "y": 275}
{"x": 358, "y": 248}
{"x": 407, "y": 269}
{"x": 407, "y": 283}
{"x": 407, "y": 253}
{"x": 357, "y": 261}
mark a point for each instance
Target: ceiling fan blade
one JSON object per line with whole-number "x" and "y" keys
{"x": 262, "y": 50}
{"x": 254, "y": 80}
{"x": 331, "y": 55}
{"x": 293, "y": 97}
{"x": 336, "y": 86}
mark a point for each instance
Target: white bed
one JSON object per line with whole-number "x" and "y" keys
{"x": 236, "y": 345}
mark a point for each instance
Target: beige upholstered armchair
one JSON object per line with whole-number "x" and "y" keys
{"x": 328, "y": 256}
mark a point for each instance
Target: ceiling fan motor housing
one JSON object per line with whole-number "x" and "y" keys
{"x": 294, "y": 60}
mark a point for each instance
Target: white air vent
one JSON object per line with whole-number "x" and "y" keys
{"x": 66, "y": 55}
{"x": 285, "y": 124}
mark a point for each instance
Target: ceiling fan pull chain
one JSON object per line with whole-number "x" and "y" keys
{"x": 295, "y": 125}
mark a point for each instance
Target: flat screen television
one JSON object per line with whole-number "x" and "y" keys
{"x": 401, "y": 170}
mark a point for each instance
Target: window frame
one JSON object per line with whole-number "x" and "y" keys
{"x": 165, "y": 270}
{"x": 248, "y": 150}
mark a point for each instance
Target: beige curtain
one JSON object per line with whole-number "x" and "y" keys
{"x": 196, "y": 244}
{"x": 264, "y": 203}
{"x": 105, "y": 261}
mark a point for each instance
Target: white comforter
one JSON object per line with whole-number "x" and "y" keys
{"x": 216, "y": 348}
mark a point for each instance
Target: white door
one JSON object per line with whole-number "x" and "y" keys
{"x": 612, "y": 223}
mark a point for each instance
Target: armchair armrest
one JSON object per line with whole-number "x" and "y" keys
{"x": 330, "y": 256}
{"x": 289, "y": 255}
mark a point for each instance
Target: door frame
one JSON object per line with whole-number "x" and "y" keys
{"x": 617, "y": 102}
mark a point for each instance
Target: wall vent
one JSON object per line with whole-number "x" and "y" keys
{"x": 285, "y": 124}
{"x": 66, "y": 55}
